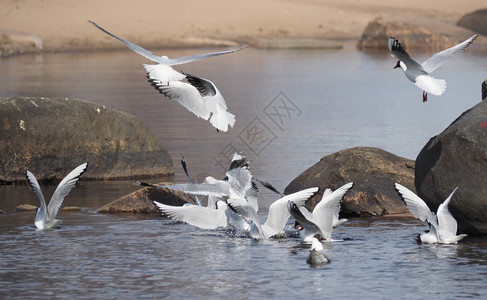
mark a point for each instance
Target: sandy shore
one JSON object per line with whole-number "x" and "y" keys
{"x": 63, "y": 25}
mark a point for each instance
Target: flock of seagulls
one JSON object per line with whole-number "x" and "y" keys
{"x": 232, "y": 202}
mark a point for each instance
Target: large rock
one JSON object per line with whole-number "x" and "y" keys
{"x": 51, "y": 136}
{"x": 140, "y": 201}
{"x": 458, "y": 157}
{"x": 419, "y": 34}
{"x": 374, "y": 172}
{"x": 475, "y": 21}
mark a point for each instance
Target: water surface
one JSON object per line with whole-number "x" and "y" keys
{"x": 337, "y": 100}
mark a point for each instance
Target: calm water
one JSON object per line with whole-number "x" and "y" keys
{"x": 335, "y": 100}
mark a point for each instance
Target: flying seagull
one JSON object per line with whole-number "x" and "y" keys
{"x": 162, "y": 73}
{"x": 419, "y": 73}
{"x": 443, "y": 227}
{"x": 201, "y": 97}
{"x": 46, "y": 215}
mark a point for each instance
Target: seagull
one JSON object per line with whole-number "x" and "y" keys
{"x": 202, "y": 217}
{"x": 204, "y": 100}
{"x": 320, "y": 221}
{"x": 419, "y": 73}
{"x": 316, "y": 256}
{"x": 46, "y": 216}
{"x": 443, "y": 227}
{"x": 277, "y": 216}
{"x": 201, "y": 97}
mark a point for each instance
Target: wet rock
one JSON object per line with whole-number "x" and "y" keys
{"x": 26, "y": 208}
{"x": 458, "y": 157}
{"x": 12, "y": 42}
{"x": 33, "y": 208}
{"x": 374, "y": 172}
{"x": 417, "y": 33}
{"x": 140, "y": 201}
{"x": 50, "y": 136}
{"x": 475, "y": 21}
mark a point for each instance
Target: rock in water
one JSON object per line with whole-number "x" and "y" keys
{"x": 140, "y": 201}
{"x": 45, "y": 135}
{"x": 475, "y": 21}
{"x": 374, "y": 172}
{"x": 458, "y": 157}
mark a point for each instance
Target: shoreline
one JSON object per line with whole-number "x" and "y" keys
{"x": 63, "y": 25}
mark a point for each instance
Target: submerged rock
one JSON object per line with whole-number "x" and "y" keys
{"x": 458, "y": 157}
{"x": 140, "y": 201}
{"x": 374, "y": 172}
{"x": 50, "y": 136}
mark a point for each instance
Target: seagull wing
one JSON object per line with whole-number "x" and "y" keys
{"x": 240, "y": 179}
{"x": 196, "y": 189}
{"x": 186, "y": 94}
{"x": 195, "y": 215}
{"x": 399, "y": 52}
{"x": 308, "y": 225}
{"x": 36, "y": 188}
{"x": 416, "y": 205}
{"x": 137, "y": 49}
{"x": 329, "y": 206}
{"x": 447, "y": 225}
{"x": 194, "y": 57}
{"x": 440, "y": 58}
{"x": 63, "y": 189}
{"x": 204, "y": 86}
{"x": 278, "y": 212}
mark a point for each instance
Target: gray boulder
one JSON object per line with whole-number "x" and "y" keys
{"x": 419, "y": 34}
{"x": 51, "y": 136}
{"x": 140, "y": 201}
{"x": 475, "y": 21}
{"x": 374, "y": 172}
{"x": 458, "y": 157}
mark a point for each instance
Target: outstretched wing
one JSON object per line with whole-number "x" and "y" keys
{"x": 63, "y": 189}
{"x": 195, "y": 215}
{"x": 184, "y": 93}
{"x": 36, "y": 188}
{"x": 440, "y": 58}
{"x": 329, "y": 206}
{"x": 278, "y": 212}
{"x": 416, "y": 205}
{"x": 194, "y": 57}
{"x": 204, "y": 86}
{"x": 447, "y": 225}
{"x": 308, "y": 225}
{"x": 137, "y": 49}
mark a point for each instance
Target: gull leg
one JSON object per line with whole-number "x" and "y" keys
{"x": 425, "y": 96}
